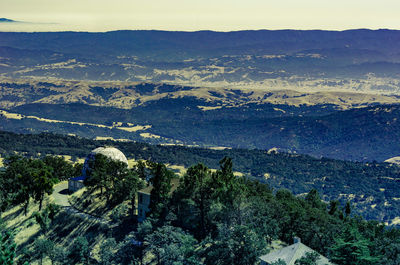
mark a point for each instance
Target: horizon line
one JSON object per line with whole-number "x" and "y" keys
{"x": 191, "y": 31}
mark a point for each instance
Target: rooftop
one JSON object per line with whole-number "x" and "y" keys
{"x": 291, "y": 253}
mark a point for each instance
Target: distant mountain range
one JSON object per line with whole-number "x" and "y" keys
{"x": 247, "y": 58}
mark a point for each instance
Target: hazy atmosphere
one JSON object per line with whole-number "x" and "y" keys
{"x": 222, "y": 15}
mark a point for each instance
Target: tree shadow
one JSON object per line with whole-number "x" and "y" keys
{"x": 30, "y": 240}
{"x": 13, "y": 215}
{"x": 64, "y": 192}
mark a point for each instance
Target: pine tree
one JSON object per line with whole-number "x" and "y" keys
{"x": 161, "y": 181}
{"x": 194, "y": 195}
{"x": 351, "y": 248}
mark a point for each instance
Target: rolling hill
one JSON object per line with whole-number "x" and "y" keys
{"x": 361, "y": 134}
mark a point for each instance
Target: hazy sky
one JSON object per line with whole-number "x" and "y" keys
{"x": 189, "y": 15}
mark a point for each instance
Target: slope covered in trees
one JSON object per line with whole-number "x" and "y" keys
{"x": 372, "y": 187}
{"x": 361, "y": 134}
{"x": 212, "y": 218}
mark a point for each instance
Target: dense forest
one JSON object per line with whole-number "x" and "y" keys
{"x": 211, "y": 218}
{"x": 372, "y": 187}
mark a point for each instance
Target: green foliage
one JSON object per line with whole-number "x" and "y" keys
{"x": 314, "y": 199}
{"x": 79, "y": 252}
{"x": 263, "y": 217}
{"x": 24, "y": 179}
{"x": 7, "y": 246}
{"x": 171, "y": 245}
{"x": 194, "y": 199}
{"x": 18, "y": 182}
{"x": 227, "y": 187}
{"x": 61, "y": 169}
{"x": 347, "y": 209}
{"x": 42, "y": 179}
{"x": 351, "y": 247}
{"x": 42, "y": 248}
{"x": 144, "y": 229}
{"x": 214, "y": 218}
{"x": 161, "y": 182}
{"x": 59, "y": 255}
{"x": 115, "y": 181}
{"x": 310, "y": 258}
{"x": 107, "y": 251}
{"x": 42, "y": 219}
{"x": 234, "y": 245}
{"x": 45, "y": 217}
{"x": 291, "y": 171}
{"x": 333, "y": 207}
{"x": 126, "y": 188}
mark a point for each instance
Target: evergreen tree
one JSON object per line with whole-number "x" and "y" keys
{"x": 229, "y": 191}
{"x": 18, "y": 183}
{"x": 314, "y": 199}
{"x": 42, "y": 248}
{"x": 79, "y": 251}
{"x": 97, "y": 174}
{"x": 161, "y": 182}
{"x": 61, "y": 169}
{"x": 333, "y": 207}
{"x": 43, "y": 181}
{"x": 194, "y": 196}
{"x": 351, "y": 248}
{"x": 347, "y": 209}
{"x": 235, "y": 245}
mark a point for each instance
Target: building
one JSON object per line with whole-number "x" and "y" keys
{"x": 144, "y": 199}
{"x": 143, "y": 202}
{"x": 292, "y": 253}
{"x": 113, "y": 153}
{"x": 76, "y": 183}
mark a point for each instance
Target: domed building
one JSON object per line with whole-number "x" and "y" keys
{"x": 113, "y": 153}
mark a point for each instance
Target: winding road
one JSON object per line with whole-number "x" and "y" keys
{"x": 60, "y": 197}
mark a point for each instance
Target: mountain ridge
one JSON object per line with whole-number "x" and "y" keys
{"x": 245, "y": 56}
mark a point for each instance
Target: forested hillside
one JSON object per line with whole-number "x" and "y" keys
{"x": 361, "y": 134}
{"x": 371, "y": 187}
{"x": 212, "y": 217}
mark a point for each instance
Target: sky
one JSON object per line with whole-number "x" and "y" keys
{"x": 192, "y": 15}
